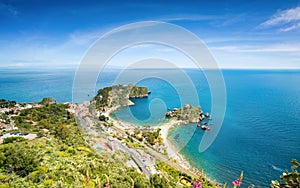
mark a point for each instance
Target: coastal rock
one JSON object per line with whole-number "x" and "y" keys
{"x": 206, "y": 114}
{"x": 169, "y": 114}
{"x": 188, "y": 113}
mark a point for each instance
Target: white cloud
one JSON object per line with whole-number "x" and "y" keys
{"x": 293, "y": 27}
{"x": 284, "y": 48}
{"x": 289, "y": 19}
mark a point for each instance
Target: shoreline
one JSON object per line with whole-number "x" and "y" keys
{"x": 172, "y": 151}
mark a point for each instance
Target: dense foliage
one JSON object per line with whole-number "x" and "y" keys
{"x": 102, "y": 98}
{"x": 13, "y": 139}
{"x": 61, "y": 158}
{"x": 174, "y": 176}
{"x": 54, "y": 118}
{"x": 187, "y": 113}
{"x": 118, "y": 95}
{"x": 152, "y": 137}
{"x": 137, "y": 92}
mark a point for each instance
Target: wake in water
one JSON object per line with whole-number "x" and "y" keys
{"x": 276, "y": 168}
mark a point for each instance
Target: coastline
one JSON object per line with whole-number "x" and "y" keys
{"x": 172, "y": 151}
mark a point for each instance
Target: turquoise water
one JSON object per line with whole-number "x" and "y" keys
{"x": 261, "y": 126}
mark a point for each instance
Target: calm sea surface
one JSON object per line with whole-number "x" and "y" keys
{"x": 261, "y": 126}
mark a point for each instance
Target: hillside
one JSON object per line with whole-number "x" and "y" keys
{"x": 118, "y": 95}
{"x": 60, "y": 156}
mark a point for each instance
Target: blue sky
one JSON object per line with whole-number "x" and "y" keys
{"x": 239, "y": 34}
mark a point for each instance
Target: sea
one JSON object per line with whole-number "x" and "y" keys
{"x": 259, "y": 134}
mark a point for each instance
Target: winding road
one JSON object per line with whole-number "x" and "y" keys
{"x": 121, "y": 146}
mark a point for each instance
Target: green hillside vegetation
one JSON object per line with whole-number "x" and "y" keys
{"x": 60, "y": 156}
{"x": 61, "y": 159}
{"x": 137, "y": 92}
{"x": 149, "y": 136}
{"x": 171, "y": 174}
{"x": 187, "y": 113}
{"x": 118, "y": 95}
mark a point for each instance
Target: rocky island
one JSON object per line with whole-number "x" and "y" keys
{"x": 190, "y": 114}
{"x": 118, "y": 95}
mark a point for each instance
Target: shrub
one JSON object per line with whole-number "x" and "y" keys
{"x": 13, "y": 139}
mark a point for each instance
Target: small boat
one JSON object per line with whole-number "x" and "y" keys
{"x": 203, "y": 127}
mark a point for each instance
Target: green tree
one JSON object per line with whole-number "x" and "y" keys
{"x": 13, "y": 139}
{"x": 157, "y": 181}
{"x": 19, "y": 158}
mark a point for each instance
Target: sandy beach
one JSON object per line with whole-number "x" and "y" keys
{"x": 171, "y": 149}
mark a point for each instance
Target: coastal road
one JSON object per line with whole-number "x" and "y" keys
{"x": 136, "y": 159}
{"x": 82, "y": 123}
{"x": 121, "y": 146}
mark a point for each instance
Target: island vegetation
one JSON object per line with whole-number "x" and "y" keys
{"x": 187, "y": 113}
{"x": 190, "y": 114}
{"x": 118, "y": 95}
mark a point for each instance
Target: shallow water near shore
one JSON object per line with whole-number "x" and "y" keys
{"x": 261, "y": 126}
{"x": 260, "y": 129}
